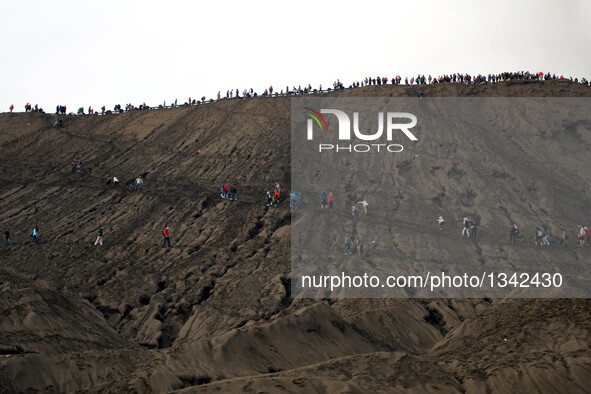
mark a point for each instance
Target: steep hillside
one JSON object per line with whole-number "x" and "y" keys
{"x": 215, "y": 311}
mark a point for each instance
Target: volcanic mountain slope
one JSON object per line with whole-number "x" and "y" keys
{"x": 214, "y": 312}
{"x": 501, "y": 161}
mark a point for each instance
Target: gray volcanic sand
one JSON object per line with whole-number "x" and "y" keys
{"x": 498, "y": 160}
{"x": 214, "y": 312}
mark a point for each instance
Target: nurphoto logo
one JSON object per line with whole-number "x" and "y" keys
{"x": 344, "y": 130}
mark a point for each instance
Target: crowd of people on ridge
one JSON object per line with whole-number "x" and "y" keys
{"x": 463, "y": 78}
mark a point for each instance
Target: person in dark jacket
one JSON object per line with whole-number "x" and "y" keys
{"x": 348, "y": 244}
{"x": 6, "y": 237}
{"x": 474, "y": 226}
{"x": 99, "y": 237}
{"x": 323, "y": 200}
{"x": 563, "y": 238}
{"x": 514, "y": 233}
{"x": 34, "y": 235}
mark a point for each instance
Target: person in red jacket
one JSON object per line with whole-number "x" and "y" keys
{"x": 330, "y": 201}
{"x": 276, "y": 197}
{"x": 166, "y": 236}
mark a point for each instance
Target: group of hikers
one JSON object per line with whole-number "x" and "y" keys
{"x": 275, "y": 197}
{"x": 34, "y": 235}
{"x": 541, "y": 236}
{"x": 112, "y": 180}
{"x": 470, "y": 227}
{"x": 98, "y": 241}
{"x": 327, "y": 202}
{"x": 296, "y": 201}
{"x": 135, "y": 184}
{"x": 584, "y": 236}
{"x": 350, "y": 248}
{"x": 464, "y": 78}
{"x": 29, "y": 108}
{"x": 229, "y": 192}
{"x": 77, "y": 165}
{"x": 355, "y": 211}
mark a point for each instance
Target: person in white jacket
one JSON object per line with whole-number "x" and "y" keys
{"x": 365, "y": 204}
{"x": 466, "y": 229}
{"x": 440, "y": 221}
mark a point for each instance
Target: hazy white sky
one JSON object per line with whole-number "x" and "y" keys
{"x": 82, "y": 53}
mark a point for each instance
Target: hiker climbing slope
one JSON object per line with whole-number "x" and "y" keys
{"x": 166, "y": 234}
{"x": 99, "y": 237}
{"x": 34, "y": 235}
{"x": 440, "y": 221}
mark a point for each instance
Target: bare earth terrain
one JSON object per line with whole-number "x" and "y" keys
{"x": 214, "y": 312}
